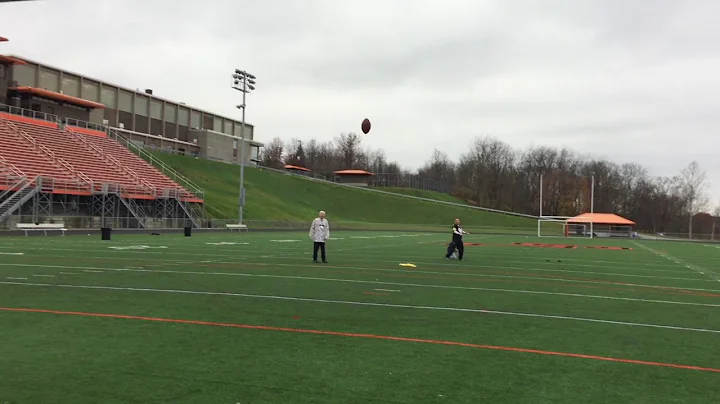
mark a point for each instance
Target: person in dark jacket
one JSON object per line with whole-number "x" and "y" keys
{"x": 457, "y": 241}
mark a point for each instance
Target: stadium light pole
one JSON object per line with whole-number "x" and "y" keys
{"x": 245, "y": 83}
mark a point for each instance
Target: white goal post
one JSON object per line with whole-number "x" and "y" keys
{"x": 583, "y": 225}
{"x": 558, "y": 226}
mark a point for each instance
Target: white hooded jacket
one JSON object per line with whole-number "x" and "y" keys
{"x": 320, "y": 230}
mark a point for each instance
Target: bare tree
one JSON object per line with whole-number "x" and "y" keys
{"x": 272, "y": 154}
{"x": 693, "y": 183}
{"x": 439, "y": 168}
{"x": 312, "y": 154}
{"x": 296, "y": 154}
{"x": 348, "y": 148}
{"x": 377, "y": 161}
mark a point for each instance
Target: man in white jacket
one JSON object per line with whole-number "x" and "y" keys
{"x": 319, "y": 233}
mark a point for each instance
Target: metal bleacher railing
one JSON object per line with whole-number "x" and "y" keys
{"x": 83, "y": 124}
{"x": 28, "y": 113}
{"x": 157, "y": 163}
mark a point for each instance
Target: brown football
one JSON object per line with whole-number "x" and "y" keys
{"x": 365, "y": 126}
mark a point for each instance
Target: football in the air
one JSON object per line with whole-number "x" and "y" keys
{"x": 365, "y": 126}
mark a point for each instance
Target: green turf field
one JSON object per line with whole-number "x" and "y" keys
{"x": 247, "y": 318}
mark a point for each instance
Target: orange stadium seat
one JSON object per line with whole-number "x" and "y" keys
{"x": 32, "y": 162}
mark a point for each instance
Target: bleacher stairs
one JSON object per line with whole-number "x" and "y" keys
{"x": 39, "y": 157}
{"x": 12, "y": 198}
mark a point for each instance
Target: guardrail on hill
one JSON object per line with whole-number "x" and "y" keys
{"x": 459, "y": 205}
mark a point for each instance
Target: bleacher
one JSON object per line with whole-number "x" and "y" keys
{"x": 31, "y": 161}
{"x": 80, "y": 160}
{"x": 129, "y": 159}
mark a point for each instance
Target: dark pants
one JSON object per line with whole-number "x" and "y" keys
{"x": 321, "y": 246}
{"x": 453, "y": 245}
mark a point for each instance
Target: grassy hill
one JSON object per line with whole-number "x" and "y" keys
{"x": 421, "y": 193}
{"x": 274, "y": 196}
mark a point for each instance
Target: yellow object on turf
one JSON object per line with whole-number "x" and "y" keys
{"x": 409, "y": 265}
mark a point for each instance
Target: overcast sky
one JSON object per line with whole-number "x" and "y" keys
{"x": 625, "y": 80}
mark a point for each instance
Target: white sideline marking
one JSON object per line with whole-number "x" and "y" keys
{"x": 135, "y": 247}
{"x": 669, "y": 257}
{"x": 46, "y": 276}
{"x": 475, "y": 266}
{"x": 93, "y": 272}
{"x": 420, "y": 285}
{"x": 17, "y": 279}
{"x": 4, "y": 253}
{"x": 387, "y": 290}
{"x": 460, "y": 275}
{"x": 357, "y": 303}
{"x": 227, "y": 243}
{"x": 285, "y": 241}
{"x": 67, "y": 273}
{"x": 534, "y": 269}
{"x": 214, "y": 255}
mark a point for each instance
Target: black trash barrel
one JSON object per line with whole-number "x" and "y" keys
{"x": 105, "y": 233}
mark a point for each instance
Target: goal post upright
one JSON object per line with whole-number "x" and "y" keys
{"x": 592, "y": 204}
{"x": 564, "y": 220}
{"x": 540, "y": 215}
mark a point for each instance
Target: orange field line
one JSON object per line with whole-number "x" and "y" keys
{"x": 367, "y": 336}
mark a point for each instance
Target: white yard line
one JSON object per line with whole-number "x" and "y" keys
{"x": 420, "y": 285}
{"x": 460, "y": 275}
{"x": 371, "y": 304}
{"x": 16, "y": 279}
{"x": 476, "y": 266}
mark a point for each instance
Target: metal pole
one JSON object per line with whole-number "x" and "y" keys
{"x": 592, "y": 204}
{"x": 241, "y": 157}
{"x": 541, "y": 195}
{"x": 690, "y": 222}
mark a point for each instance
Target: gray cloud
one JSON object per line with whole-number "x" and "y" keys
{"x": 630, "y": 81}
